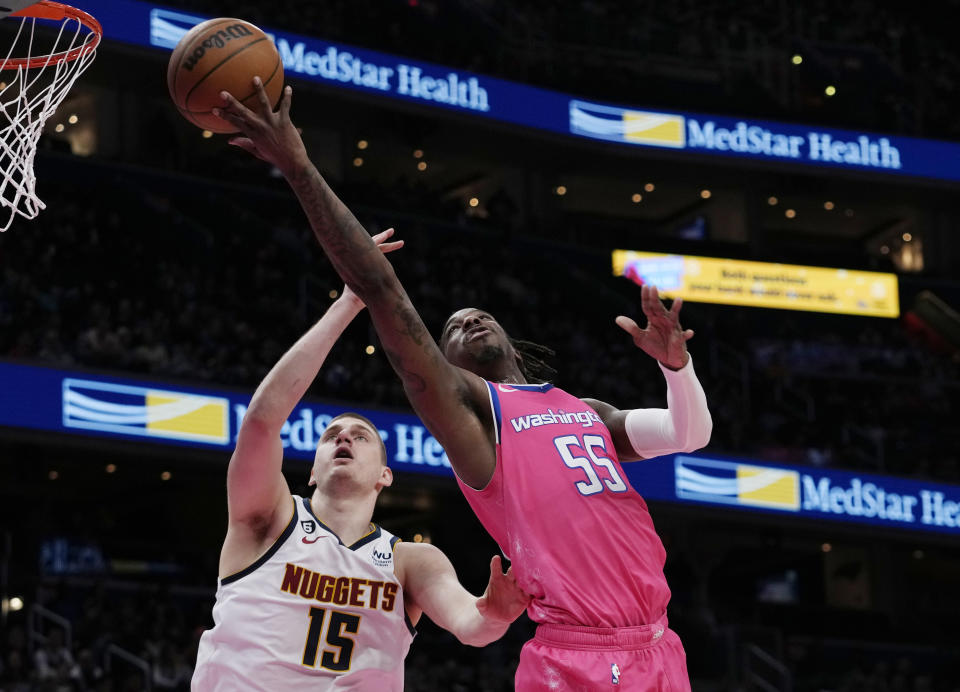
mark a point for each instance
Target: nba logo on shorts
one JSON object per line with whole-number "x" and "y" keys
{"x": 614, "y": 673}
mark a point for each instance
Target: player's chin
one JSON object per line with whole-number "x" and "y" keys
{"x": 487, "y": 351}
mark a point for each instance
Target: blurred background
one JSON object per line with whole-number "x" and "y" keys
{"x": 168, "y": 260}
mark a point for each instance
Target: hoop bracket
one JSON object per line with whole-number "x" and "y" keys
{"x": 57, "y": 11}
{"x": 37, "y": 86}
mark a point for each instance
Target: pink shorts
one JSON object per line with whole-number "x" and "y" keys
{"x": 567, "y": 658}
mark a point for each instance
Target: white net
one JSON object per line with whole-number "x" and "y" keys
{"x": 35, "y": 76}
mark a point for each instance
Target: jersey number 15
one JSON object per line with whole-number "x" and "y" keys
{"x": 340, "y": 623}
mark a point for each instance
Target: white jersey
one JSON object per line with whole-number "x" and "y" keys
{"x": 311, "y": 612}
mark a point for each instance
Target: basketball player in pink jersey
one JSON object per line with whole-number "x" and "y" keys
{"x": 541, "y": 468}
{"x": 312, "y": 594}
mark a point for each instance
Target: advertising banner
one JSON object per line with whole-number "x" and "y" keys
{"x": 393, "y": 77}
{"x": 762, "y": 284}
{"x": 104, "y": 406}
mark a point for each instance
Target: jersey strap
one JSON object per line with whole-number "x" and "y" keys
{"x": 267, "y": 555}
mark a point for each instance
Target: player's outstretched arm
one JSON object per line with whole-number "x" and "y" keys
{"x": 685, "y": 425}
{"x": 430, "y": 586}
{"x": 450, "y": 401}
{"x": 256, "y": 488}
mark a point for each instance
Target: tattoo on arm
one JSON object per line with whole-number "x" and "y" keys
{"x": 337, "y": 229}
{"x": 349, "y": 248}
{"x": 413, "y": 381}
{"x": 413, "y": 327}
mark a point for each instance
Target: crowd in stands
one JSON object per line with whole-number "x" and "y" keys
{"x": 200, "y": 289}
{"x": 895, "y": 69}
{"x": 880, "y": 671}
{"x": 158, "y": 279}
{"x": 163, "y": 630}
{"x": 160, "y": 625}
{"x": 149, "y": 624}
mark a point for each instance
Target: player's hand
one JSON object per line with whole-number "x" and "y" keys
{"x": 267, "y": 134}
{"x": 503, "y": 600}
{"x": 664, "y": 338}
{"x": 380, "y": 239}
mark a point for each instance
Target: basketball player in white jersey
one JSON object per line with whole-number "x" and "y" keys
{"x": 311, "y": 594}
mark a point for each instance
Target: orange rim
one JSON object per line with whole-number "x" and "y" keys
{"x": 47, "y": 9}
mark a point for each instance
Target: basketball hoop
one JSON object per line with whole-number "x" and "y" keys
{"x": 38, "y": 84}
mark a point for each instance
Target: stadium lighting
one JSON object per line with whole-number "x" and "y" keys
{"x": 796, "y": 59}
{"x": 362, "y": 144}
{"x": 826, "y": 547}
{"x": 830, "y": 90}
{"x": 206, "y": 134}
{"x": 165, "y": 476}
{"x": 705, "y": 194}
{"x": 73, "y": 119}
{"x": 907, "y": 237}
{"x": 422, "y": 166}
{"x": 369, "y": 350}
{"x": 358, "y": 161}
{"x": 828, "y": 205}
{"x": 772, "y": 201}
{"x": 561, "y": 190}
{"x": 110, "y": 468}
{"x": 636, "y": 198}
{"x": 790, "y": 213}
{"x": 53, "y": 475}
{"x": 16, "y": 603}
{"x": 474, "y": 202}
{"x": 649, "y": 187}
{"x": 333, "y": 293}
{"x": 418, "y": 153}
{"x": 59, "y": 127}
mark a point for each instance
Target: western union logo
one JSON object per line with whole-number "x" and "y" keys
{"x": 145, "y": 412}
{"x": 727, "y": 482}
{"x": 622, "y": 125}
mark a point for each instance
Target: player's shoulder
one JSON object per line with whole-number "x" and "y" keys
{"x": 412, "y": 557}
{"x": 601, "y": 407}
{"x": 416, "y": 550}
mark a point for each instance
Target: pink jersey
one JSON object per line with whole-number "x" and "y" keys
{"x": 580, "y": 539}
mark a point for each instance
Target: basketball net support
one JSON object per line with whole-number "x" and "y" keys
{"x": 31, "y": 89}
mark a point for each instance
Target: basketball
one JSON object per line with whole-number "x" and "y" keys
{"x": 222, "y": 54}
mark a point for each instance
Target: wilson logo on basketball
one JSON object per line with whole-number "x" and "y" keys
{"x": 217, "y": 40}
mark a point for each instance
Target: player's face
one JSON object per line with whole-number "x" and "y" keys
{"x": 350, "y": 448}
{"x": 473, "y": 338}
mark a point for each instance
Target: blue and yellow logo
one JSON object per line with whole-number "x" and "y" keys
{"x": 145, "y": 412}
{"x": 727, "y": 482}
{"x": 623, "y": 125}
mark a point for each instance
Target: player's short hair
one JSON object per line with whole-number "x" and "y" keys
{"x": 370, "y": 424}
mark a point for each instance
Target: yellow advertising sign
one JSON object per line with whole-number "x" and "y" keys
{"x": 762, "y": 284}
{"x": 659, "y": 129}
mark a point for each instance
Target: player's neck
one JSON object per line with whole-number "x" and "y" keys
{"x": 348, "y": 516}
{"x": 512, "y": 377}
{"x": 507, "y": 373}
